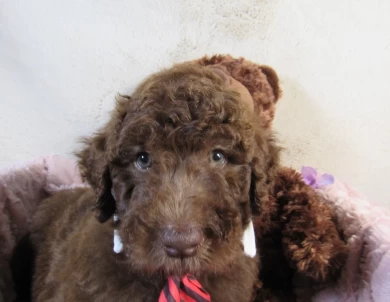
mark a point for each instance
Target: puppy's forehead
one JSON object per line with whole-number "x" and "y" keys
{"x": 184, "y": 103}
{"x": 181, "y": 86}
{"x": 186, "y": 92}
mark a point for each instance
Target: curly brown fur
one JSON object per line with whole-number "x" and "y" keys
{"x": 180, "y": 117}
{"x": 302, "y": 248}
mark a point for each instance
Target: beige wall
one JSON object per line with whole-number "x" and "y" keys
{"x": 61, "y": 63}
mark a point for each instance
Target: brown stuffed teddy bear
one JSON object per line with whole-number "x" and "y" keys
{"x": 300, "y": 244}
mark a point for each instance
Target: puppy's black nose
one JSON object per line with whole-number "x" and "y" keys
{"x": 181, "y": 242}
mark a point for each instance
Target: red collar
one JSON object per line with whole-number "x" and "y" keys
{"x": 186, "y": 289}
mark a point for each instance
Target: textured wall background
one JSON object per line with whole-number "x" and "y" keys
{"x": 62, "y": 62}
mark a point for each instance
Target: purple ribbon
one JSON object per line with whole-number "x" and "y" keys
{"x": 315, "y": 180}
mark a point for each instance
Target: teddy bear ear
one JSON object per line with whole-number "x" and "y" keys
{"x": 273, "y": 80}
{"x": 266, "y": 93}
{"x": 261, "y": 81}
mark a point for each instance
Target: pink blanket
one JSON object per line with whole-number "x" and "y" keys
{"x": 366, "y": 276}
{"x": 22, "y": 187}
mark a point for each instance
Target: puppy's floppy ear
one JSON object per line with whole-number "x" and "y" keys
{"x": 264, "y": 166}
{"x": 96, "y": 156}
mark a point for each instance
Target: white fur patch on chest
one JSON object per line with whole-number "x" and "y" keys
{"x": 249, "y": 240}
{"x": 118, "y": 245}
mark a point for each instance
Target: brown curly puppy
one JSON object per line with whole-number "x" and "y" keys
{"x": 183, "y": 164}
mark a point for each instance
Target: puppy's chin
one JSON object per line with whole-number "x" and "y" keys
{"x": 158, "y": 262}
{"x": 170, "y": 267}
{"x": 181, "y": 267}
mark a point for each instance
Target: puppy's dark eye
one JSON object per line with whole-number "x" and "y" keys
{"x": 217, "y": 157}
{"x": 143, "y": 161}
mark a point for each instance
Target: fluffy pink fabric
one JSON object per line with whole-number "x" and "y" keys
{"x": 22, "y": 187}
{"x": 366, "y": 276}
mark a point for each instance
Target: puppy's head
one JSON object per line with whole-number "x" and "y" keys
{"x": 183, "y": 165}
